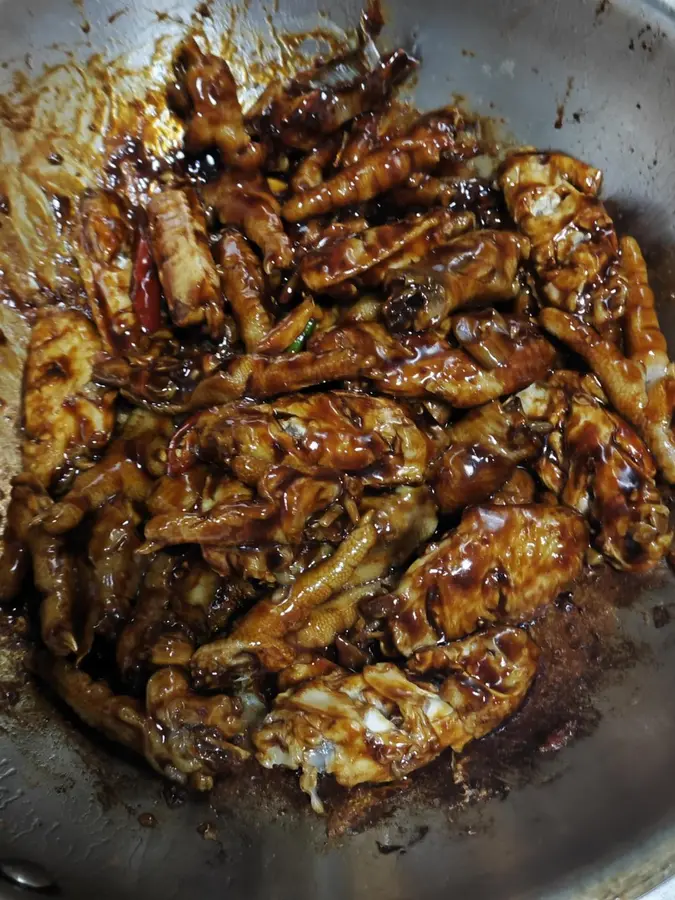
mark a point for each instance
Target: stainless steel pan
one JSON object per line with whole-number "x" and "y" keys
{"x": 598, "y": 821}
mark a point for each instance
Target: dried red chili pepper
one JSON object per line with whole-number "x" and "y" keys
{"x": 146, "y": 292}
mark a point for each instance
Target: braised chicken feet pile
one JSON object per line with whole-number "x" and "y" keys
{"x": 336, "y": 422}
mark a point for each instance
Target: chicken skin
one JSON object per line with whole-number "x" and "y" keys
{"x": 553, "y": 199}
{"x": 205, "y": 94}
{"x": 186, "y": 268}
{"x": 66, "y": 415}
{"x": 381, "y": 724}
{"x": 485, "y": 447}
{"x": 479, "y": 268}
{"x": 501, "y": 564}
{"x": 337, "y": 431}
{"x": 641, "y": 383}
{"x": 595, "y": 463}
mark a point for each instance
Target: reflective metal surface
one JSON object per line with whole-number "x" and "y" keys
{"x": 598, "y": 820}
{"x": 25, "y": 874}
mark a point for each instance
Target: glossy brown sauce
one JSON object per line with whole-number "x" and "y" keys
{"x": 583, "y": 648}
{"x": 577, "y": 637}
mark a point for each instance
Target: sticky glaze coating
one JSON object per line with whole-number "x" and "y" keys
{"x": 304, "y": 459}
{"x": 480, "y": 268}
{"x": 502, "y": 563}
{"x": 575, "y": 250}
{"x": 485, "y": 447}
{"x": 185, "y": 265}
{"x": 382, "y": 724}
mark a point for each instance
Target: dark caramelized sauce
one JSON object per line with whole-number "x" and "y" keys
{"x": 577, "y": 638}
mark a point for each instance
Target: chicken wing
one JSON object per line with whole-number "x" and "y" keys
{"x": 381, "y": 725}
{"x": 13, "y": 352}
{"x": 419, "y": 248}
{"x": 656, "y": 423}
{"x": 501, "y": 564}
{"x": 476, "y": 268}
{"x": 127, "y": 469}
{"x": 14, "y": 556}
{"x": 290, "y": 334}
{"x": 242, "y": 200}
{"x": 204, "y": 601}
{"x": 53, "y": 566}
{"x": 148, "y": 615}
{"x": 336, "y": 431}
{"x": 519, "y": 490}
{"x": 511, "y": 351}
{"x": 182, "y": 736}
{"x": 260, "y": 376}
{"x": 310, "y": 170}
{"x": 645, "y": 342}
{"x": 317, "y": 233}
{"x": 305, "y": 667}
{"x": 66, "y": 416}
{"x": 334, "y": 617}
{"x": 553, "y": 199}
{"x": 115, "y": 570}
{"x": 499, "y": 355}
{"x": 407, "y": 517}
{"x": 485, "y": 447}
{"x": 186, "y": 269}
{"x": 182, "y": 492}
{"x": 147, "y": 435}
{"x": 268, "y": 563}
{"x": 115, "y": 475}
{"x": 206, "y": 95}
{"x": 610, "y": 480}
{"x": 477, "y": 675}
{"x": 120, "y": 718}
{"x": 162, "y": 371}
{"x": 284, "y": 518}
{"x": 197, "y": 730}
{"x": 372, "y": 130}
{"x": 455, "y": 192}
{"x": 243, "y": 284}
{"x": 105, "y": 238}
{"x": 298, "y": 445}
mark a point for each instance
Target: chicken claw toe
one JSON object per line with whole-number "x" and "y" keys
{"x": 261, "y": 632}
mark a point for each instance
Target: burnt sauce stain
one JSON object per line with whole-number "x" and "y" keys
{"x": 174, "y": 795}
{"x": 147, "y": 820}
{"x": 584, "y": 649}
{"x": 419, "y": 834}
{"x": 661, "y": 616}
{"x": 560, "y": 111}
{"x": 649, "y": 38}
{"x": 113, "y": 17}
{"x": 601, "y": 8}
{"x": 10, "y": 693}
{"x": 208, "y": 831}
